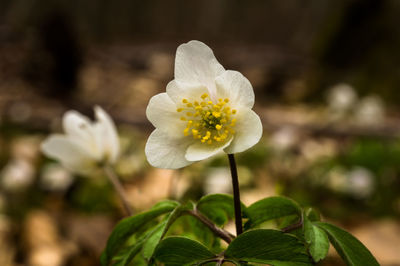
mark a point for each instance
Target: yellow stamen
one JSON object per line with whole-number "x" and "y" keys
{"x": 208, "y": 120}
{"x": 216, "y": 114}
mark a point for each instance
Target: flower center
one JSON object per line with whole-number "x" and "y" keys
{"x": 208, "y": 121}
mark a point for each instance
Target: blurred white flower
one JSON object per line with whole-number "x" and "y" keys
{"x": 337, "y": 179}
{"x": 218, "y": 180}
{"x": 341, "y": 98}
{"x": 360, "y": 182}
{"x": 55, "y": 177}
{"x": 313, "y": 150}
{"x": 370, "y": 110}
{"x": 205, "y": 110}
{"x": 85, "y": 144}
{"x": 17, "y": 174}
{"x": 284, "y": 138}
{"x": 357, "y": 182}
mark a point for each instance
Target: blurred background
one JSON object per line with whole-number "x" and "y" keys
{"x": 326, "y": 76}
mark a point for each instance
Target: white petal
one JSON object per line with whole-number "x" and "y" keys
{"x": 161, "y": 111}
{"x": 248, "y": 131}
{"x": 236, "y": 87}
{"x": 178, "y": 91}
{"x": 72, "y": 155}
{"x": 195, "y": 63}
{"x": 107, "y": 134}
{"x": 162, "y": 151}
{"x": 78, "y": 126}
{"x": 200, "y": 151}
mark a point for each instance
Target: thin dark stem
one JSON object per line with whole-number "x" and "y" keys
{"x": 226, "y": 236}
{"x": 118, "y": 187}
{"x": 294, "y": 226}
{"x": 236, "y": 195}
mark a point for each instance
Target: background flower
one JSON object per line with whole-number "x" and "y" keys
{"x": 206, "y": 109}
{"x": 85, "y": 143}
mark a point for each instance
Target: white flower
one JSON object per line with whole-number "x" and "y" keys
{"x": 360, "y": 182}
{"x": 85, "y": 143}
{"x": 370, "y": 111}
{"x": 17, "y": 174}
{"x": 54, "y": 177}
{"x": 205, "y": 110}
{"x": 284, "y": 139}
{"x": 342, "y": 97}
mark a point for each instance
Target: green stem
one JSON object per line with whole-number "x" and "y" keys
{"x": 236, "y": 194}
{"x": 118, "y": 187}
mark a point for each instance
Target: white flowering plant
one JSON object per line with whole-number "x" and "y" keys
{"x": 205, "y": 110}
{"x": 87, "y": 146}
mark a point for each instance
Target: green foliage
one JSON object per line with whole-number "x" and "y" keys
{"x": 155, "y": 238}
{"x": 352, "y": 251}
{"x": 317, "y": 240}
{"x": 132, "y": 251}
{"x": 312, "y": 214}
{"x": 217, "y": 207}
{"x": 374, "y": 155}
{"x": 139, "y": 240}
{"x": 182, "y": 251}
{"x": 198, "y": 231}
{"x": 128, "y": 226}
{"x": 268, "y": 246}
{"x": 270, "y": 208}
{"x": 152, "y": 241}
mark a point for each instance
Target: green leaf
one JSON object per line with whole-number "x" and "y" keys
{"x": 155, "y": 238}
{"x": 352, "y": 251}
{"x": 198, "y": 231}
{"x": 151, "y": 242}
{"x": 218, "y": 208}
{"x": 131, "y": 252}
{"x": 268, "y": 246}
{"x": 181, "y": 251}
{"x": 288, "y": 221}
{"x": 312, "y": 214}
{"x": 128, "y": 226}
{"x": 270, "y": 208}
{"x": 317, "y": 239}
